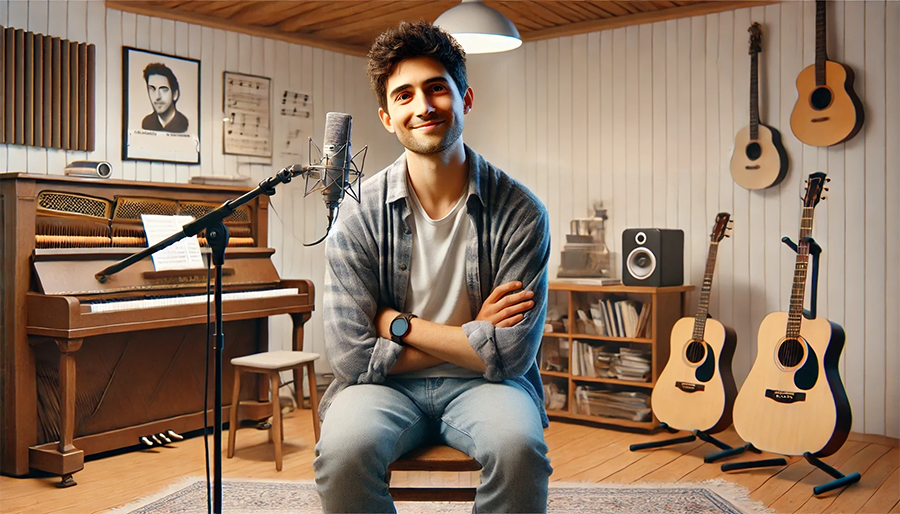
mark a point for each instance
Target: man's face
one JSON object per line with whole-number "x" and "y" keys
{"x": 424, "y": 107}
{"x": 160, "y": 94}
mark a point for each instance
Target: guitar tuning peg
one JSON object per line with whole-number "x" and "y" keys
{"x": 826, "y": 189}
{"x": 824, "y": 197}
{"x": 827, "y": 180}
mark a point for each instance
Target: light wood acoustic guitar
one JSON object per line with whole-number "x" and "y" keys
{"x": 759, "y": 159}
{"x": 827, "y": 111}
{"x": 793, "y": 400}
{"x": 696, "y": 389}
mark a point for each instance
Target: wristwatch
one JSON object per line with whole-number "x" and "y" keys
{"x": 400, "y": 327}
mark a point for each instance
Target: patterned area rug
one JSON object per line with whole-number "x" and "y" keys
{"x": 299, "y": 497}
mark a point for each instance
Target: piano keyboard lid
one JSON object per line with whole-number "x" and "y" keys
{"x": 70, "y": 272}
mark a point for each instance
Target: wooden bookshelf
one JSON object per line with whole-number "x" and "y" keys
{"x": 666, "y": 307}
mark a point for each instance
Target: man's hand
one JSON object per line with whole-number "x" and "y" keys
{"x": 503, "y": 309}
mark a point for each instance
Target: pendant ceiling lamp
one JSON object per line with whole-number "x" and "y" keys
{"x": 479, "y": 29}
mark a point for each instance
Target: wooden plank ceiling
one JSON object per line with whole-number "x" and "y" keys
{"x": 350, "y": 26}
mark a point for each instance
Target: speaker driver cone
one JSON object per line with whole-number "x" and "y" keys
{"x": 641, "y": 263}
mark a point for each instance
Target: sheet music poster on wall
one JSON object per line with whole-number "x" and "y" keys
{"x": 248, "y": 115}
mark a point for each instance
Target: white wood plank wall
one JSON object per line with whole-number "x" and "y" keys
{"x": 644, "y": 117}
{"x": 337, "y": 82}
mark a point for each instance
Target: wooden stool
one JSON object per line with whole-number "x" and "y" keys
{"x": 271, "y": 364}
{"x": 433, "y": 458}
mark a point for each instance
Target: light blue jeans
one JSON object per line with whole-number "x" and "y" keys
{"x": 369, "y": 426}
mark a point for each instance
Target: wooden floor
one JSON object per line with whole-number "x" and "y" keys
{"x": 577, "y": 453}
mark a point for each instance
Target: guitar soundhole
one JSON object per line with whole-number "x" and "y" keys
{"x": 820, "y": 98}
{"x": 754, "y": 150}
{"x": 790, "y": 353}
{"x": 695, "y": 352}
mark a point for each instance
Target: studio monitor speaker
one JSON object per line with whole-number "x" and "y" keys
{"x": 652, "y": 257}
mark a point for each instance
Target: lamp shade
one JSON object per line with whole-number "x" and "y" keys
{"x": 479, "y": 29}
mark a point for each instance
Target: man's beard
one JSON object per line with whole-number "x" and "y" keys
{"x": 426, "y": 147}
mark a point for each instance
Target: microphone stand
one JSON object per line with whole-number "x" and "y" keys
{"x": 217, "y": 237}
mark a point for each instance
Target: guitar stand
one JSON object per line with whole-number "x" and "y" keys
{"x": 840, "y": 480}
{"x": 695, "y": 434}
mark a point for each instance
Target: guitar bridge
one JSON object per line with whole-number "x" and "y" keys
{"x": 689, "y": 387}
{"x": 754, "y": 167}
{"x": 820, "y": 120}
{"x": 785, "y": 396}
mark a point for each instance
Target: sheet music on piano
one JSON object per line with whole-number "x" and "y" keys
{"x": 184, "y": 254}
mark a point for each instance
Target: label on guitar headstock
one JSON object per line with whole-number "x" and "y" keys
{"x": 689, "y": 387}
{"x": 785, "y": 396}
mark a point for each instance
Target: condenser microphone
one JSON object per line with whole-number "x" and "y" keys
{"x": 336, "y": 157}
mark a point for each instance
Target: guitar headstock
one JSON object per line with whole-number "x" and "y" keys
{"x": 722, "y": 227}
{"x": 815, "y": 186}
{"x": 755, "y": 31}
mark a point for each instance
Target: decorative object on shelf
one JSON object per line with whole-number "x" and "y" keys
{"x": 247, "y": 104}
{"x": 160, "y": 107}
{"x": 479, "y": 29}
{"x": 47, "y": 98}
{"x": 827, "y": 111}
{"x": 585, "y": 253}
{"x": 652, "y": 257}
{"x": 92, "y": 169}
{"x": 759, "y": 159}
{"x": 793, "y": 401}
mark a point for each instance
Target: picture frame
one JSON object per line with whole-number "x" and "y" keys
{"x": 160, "y": 107}
{"x": 247, "y": 105}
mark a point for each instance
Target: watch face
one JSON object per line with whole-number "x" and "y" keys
{"x": 399, "y": 327}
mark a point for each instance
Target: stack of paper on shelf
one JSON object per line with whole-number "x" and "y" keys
{"x": 612, "y": 404}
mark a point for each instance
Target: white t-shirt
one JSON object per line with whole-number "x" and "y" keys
{"x": 437, "y": 283}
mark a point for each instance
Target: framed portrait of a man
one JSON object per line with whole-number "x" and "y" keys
{"x": 160, "y": 106}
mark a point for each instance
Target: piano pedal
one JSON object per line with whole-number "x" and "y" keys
{"x": 66, "y": 481}
{"x": 146, "y": 442}
{"x": 165, "y": 439}
{"x": 174, "y": 436}
{"x": 156, "y": 440}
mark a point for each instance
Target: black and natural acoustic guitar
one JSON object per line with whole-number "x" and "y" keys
{"x": 759, "y": 159}
{"x": 696, "y": 389}
{"x": 793, "y": 400}
{"x": 827, "y": 111}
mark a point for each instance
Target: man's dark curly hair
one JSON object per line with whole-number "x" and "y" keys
{"x": 417, "y": 39}
{"x": 157, "y": 68}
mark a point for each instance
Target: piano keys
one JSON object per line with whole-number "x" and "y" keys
{"x": 91, "y": 367}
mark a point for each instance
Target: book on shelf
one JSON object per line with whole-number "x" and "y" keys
{"x": 630, "y": 405}
{"x": 590, "y": 281}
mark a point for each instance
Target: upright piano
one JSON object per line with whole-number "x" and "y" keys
{"x": 89, "y": 367}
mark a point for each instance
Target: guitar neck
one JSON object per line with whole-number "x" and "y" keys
{"x": 821, "y": 55}
{"x": 754, "y": 96}
{"x": 798, "y": 290}
{"x": 703, "y": 307}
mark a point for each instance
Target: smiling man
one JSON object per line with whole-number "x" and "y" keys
{"x": 435, "y": 297}
{"x": 163, "y": 91}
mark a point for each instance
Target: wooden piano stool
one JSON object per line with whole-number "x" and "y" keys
{"x": 433, "y": 458}
{"x": 272, "y": 364}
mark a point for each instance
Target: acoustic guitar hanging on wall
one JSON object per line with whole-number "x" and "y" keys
{"x": 759, "y": 159}
{"x": 827, "y": 111}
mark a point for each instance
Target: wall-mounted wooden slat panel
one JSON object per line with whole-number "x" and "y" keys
{"x": 65, "y": 94}
{"x": 47, "y": 77}
{"x": 19, "y": 96}
{"x": 3, "y": 85}
{"x": 47, "y": 89}
{"x": 74, "y": 95}
{"x": 28, "y": 93}
{"x": 90, "y": 106}
{"x": 81, "y": 119}
{"x": 55, "y": 91}
{"x": 38, "y": 97}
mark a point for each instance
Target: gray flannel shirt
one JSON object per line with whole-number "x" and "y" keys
{"x": 367, "y": 258}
